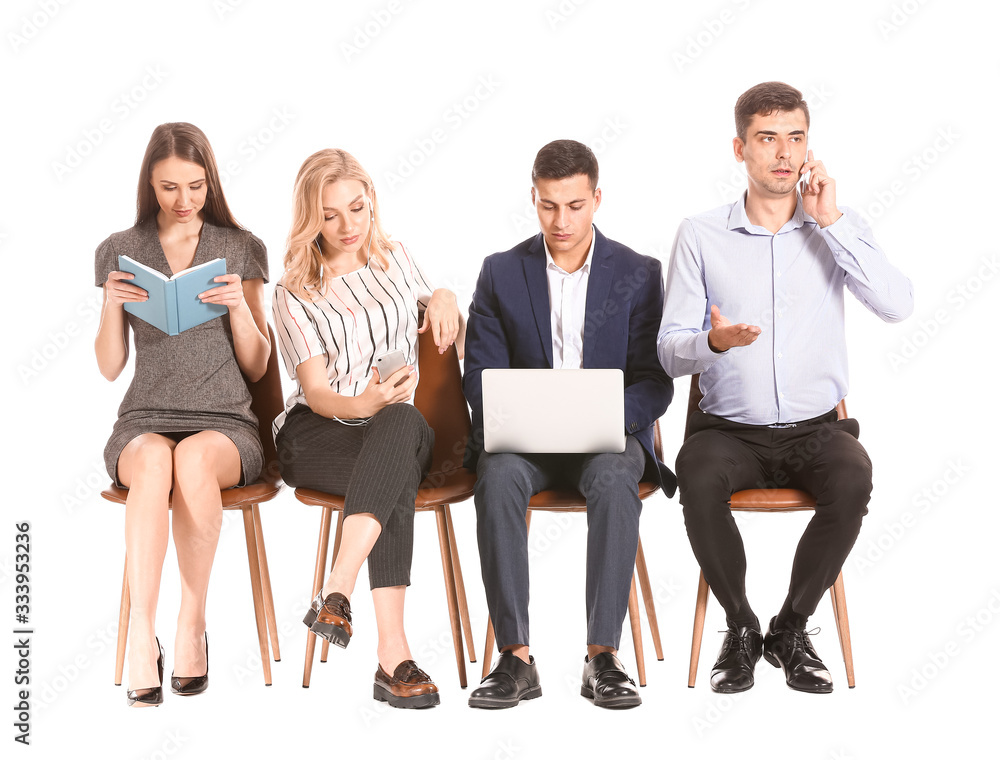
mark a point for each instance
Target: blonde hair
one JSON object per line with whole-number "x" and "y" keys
{"x": 304, "y": 272}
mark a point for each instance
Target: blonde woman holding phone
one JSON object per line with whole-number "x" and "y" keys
{"x": 351, "y": 299}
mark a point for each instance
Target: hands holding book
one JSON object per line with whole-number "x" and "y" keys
{"x": 120, "y": 290}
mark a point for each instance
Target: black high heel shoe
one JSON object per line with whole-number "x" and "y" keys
{"x": 187, "y": 686}
{"x": 152, "y": 696}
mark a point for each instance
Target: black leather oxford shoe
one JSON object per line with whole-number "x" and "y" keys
{"x": 793, "y": 652}
{"x": 741, "y": 650}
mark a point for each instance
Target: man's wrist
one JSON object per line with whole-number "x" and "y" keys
{"x": 826, "y": 221}
{"x": 711, "y": 345}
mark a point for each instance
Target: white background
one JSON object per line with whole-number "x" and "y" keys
{"x": 903, "y": 102}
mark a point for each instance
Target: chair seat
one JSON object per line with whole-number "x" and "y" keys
{"x": 772, "y": 500}
{"x": 232, "y": 498}
{"x": 436, "y": 490}
{"x": 571, "y": 500}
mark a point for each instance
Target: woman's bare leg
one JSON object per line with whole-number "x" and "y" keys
{"x": 392, "y": 645}
{"x": 145, "y": 467}
{"x": 359, "y": 534}
{"x": 203, "y": 464}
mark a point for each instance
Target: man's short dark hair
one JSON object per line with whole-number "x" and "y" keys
{"x": 766, "y": 98}
{"x": 565, "y": 158}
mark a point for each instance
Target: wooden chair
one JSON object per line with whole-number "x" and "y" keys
{"x": 570, "y": 500}
{"x": 768, "y": 500}
{"x": 266, "y": 404}
{"x": 440, "y": 399}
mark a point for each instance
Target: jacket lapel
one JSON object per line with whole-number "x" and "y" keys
{"x": 538, "y": 293}
{"x": 602, "y": 269}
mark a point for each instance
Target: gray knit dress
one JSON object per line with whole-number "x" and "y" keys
{"x": 187, "y": 382}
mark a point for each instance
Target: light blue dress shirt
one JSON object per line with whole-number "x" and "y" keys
{"x": 790, "y": 284}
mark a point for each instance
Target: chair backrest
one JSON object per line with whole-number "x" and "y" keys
{"x": 695, "y": 397}
{"x": 266, "y": 403}
{"x": 440, "y": 399}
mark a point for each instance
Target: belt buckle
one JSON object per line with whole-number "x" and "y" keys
{"x": 783, "y": 425}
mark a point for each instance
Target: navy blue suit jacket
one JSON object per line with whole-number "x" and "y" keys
{"x": 510, "y": 326}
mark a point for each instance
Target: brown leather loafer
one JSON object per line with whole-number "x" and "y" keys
{"x": 330, "y": 618}
{"x": 408, "y": 686}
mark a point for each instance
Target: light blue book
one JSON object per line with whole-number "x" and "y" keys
{"x": 173, "y": 305}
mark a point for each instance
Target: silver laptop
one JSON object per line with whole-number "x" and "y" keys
{"x": 554, "y": 411}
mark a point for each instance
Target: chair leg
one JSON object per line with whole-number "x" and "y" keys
{"x": 839, "y": 599}
{"x": 699, "y": 628}
{"x": 633, "y": 616}
{"x": 253, "y": 557}
{"x": 452, "y": 593}
{"x": 124, "y": 610}
{"x": 463, "y": 603}
{"x": 325, "y": 650}
{"x": 647, "y": 596}
{"x": 265, "y": 577}
{"x": 488, "y": 647}
{"x": 324, "y": 542}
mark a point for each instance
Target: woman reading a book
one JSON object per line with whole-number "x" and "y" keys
{"x": 350, "y": 296}
{"x": 184, "y": 429}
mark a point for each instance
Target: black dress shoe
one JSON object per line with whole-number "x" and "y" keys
{"x": 740, "y": 652}
{"x": 330, "y": 618}
{"x": 188, "y": 686}
{"x": 606, "y": 683}
{"x": 793, "y": 652}
{"x": 152, "y": 696}
{"x": 510, "y": 681}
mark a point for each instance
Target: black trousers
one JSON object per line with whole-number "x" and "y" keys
{"x": 821, "y": 456}
{"x": 376, "y": 467}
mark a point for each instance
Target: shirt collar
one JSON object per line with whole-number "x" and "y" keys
{"x": 549, "y": 263}
{"x": 738, "y": 218}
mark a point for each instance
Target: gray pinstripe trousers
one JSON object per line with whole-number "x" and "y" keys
{"x": 376, "y": 467}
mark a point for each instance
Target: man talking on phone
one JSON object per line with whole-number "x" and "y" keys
{"x": 755, "y": 304}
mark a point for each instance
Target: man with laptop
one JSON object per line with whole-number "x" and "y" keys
{"x": 566, "y": 299}
{"x": 755, "y": 304}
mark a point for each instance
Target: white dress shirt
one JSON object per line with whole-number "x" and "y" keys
{"x": 791, "y": 284}
{"x": 568, "y": 308}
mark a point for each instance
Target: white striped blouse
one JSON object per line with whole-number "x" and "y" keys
{"x": 358, "y": 316}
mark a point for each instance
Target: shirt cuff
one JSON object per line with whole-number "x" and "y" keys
{"x": 704, "y": 352}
